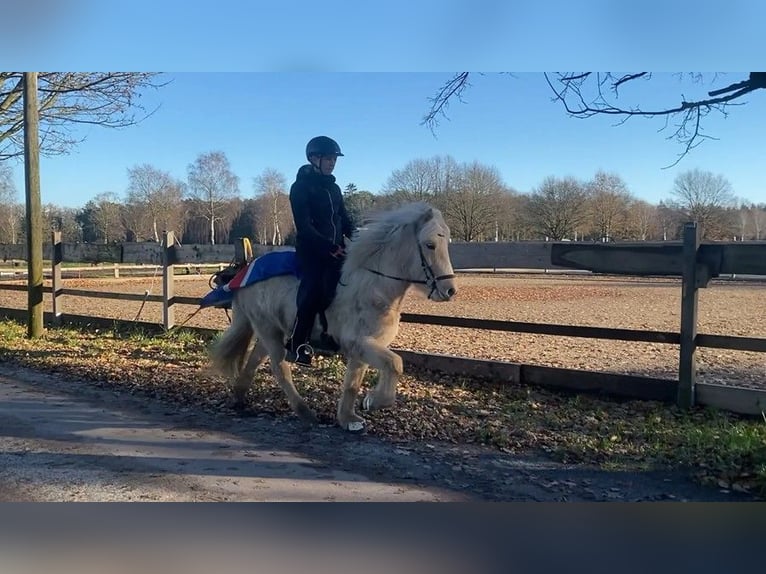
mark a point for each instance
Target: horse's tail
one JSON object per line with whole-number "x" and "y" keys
{"x": 229, "y": 350}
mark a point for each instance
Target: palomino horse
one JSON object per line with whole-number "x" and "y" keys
{"x": 395, "y": 250}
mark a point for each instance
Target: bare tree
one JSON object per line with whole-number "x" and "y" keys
{"x": 64, "y": 219}
{"x": 670, "y": 219}
{"x": 414, "y": 182}
{"x": 154, "y": 202}
{"x": 642, "y": 220}
{"x": 271, "y": 189}
{"x": 752, "y": 221}
{"x": 758, "y": 213}
{"x": 108, "y": 99}
{"x": 587, "y": 94}
{"x": 11, "y": 211}
{"x": 471, "y": 208}
{"x": 608, "y": 199}
{"x": 705, "y": 197}
{"x": 446, "y": 173}
{"x": 557, "y": 207}
{"x": 212, "y": 183}
{"x": 135, "y": 220}
{"x": 743, "y": 220}
{"x": 105, "y": 212}
{"x": 512, "y": 224}
{"x": 260, "y": 213}
{"x": 422, "y": 180}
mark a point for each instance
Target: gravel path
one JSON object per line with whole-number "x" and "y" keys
{"x": 71, "y": 443}
{"x": 67, "y": 440}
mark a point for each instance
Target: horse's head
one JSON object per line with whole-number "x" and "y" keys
{"x": 432, "y": 256}
{"x": 410, "y": 245}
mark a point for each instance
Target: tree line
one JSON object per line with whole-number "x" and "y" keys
{"x": 209, "y": 206}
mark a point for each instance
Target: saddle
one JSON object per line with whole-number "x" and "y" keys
{"x": 241, "y": 274}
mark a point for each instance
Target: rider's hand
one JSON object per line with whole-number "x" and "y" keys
{"x": 338, "y": 251}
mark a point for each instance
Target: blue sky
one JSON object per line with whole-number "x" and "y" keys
{"x": 395, "y": 35}
{"x": 361, "y": 72}
{"x": 263, "y": 120}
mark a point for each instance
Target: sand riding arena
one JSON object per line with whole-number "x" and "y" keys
{"x": 727, "y": 307}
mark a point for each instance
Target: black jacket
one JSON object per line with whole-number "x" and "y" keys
{"x": 320, "y": 216}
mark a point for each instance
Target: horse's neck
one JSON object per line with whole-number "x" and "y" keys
{"x": 365, "y": 287}
{"x": 369, "y": 285}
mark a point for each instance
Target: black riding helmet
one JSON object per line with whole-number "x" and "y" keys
{"x": 321, "y": 146}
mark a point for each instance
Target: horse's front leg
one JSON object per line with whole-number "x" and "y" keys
{"x": 352, "y": 381}
{"x": 390, "y": 368}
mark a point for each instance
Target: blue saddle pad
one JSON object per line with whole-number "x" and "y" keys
{"x": 267, "y": 265}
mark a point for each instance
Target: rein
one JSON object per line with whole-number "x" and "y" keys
{"x": 431, "y": 279}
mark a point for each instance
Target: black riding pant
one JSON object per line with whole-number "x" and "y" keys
{"x": 319, "y": 280}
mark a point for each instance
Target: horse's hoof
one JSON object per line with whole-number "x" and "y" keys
{"x": 307, "y": 415}
{"x": 238, "y": 404}
{"x": 355, "y": 427}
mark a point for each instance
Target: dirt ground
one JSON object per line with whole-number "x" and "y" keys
{"x": 70, "y": 442}
{"x": 67, "y": 440}
{"x": 725, "y": 308}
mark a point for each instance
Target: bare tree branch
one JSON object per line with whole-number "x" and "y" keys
{"x": 586, "y": 94}
{"x": 570, "y": 90}
{"x": 109, "y": 99}
{"x": 454, "y": 88}
{"x": 628, "y": 78}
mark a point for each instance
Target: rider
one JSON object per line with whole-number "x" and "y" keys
{"x": 321, "y": 223}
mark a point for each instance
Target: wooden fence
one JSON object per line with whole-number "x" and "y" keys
{"x": 696, "y": 263}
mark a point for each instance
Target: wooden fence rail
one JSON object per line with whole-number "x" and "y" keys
{"x": 695, "y": 262}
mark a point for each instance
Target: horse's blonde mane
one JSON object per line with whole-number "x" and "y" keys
{"x": 380, "y": 228}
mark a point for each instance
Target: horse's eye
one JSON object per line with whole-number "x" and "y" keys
{"x": 431, "y": 245}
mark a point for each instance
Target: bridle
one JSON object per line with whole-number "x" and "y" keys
{"x": 431, "y": 279}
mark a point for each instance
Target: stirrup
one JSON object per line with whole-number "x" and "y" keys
{"x": 325, "y": 344}
{"x": 301, "y": 356}
{"x": 305, "y": 348}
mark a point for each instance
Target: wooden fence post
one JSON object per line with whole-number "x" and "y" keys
{"x": 56, "y": 283}
{"x": 35, "y": 306}
{"x": 687, "y": 368}
{"x": 168, "y": 294}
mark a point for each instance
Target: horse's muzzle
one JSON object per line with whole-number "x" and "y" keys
{"x": 446, "y": 293}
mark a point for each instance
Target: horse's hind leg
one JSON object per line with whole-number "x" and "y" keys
{"x": 281, "y": 370}
{"x": 347, "y": 417}
{"x": 245, "y": 376}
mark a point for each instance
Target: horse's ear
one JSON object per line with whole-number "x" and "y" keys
{"x": 427, "y": 216}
